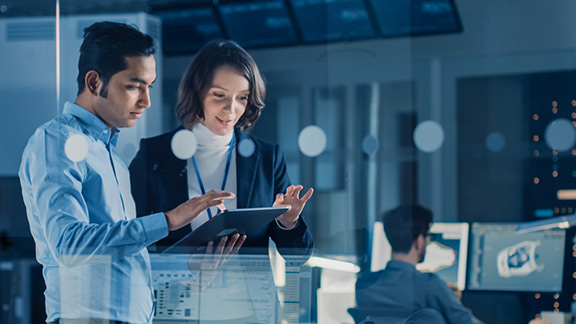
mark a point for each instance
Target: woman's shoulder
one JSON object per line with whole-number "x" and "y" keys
{"x": 258, "y": 141}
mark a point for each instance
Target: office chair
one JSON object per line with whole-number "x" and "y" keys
{"x": 422, "y": 316}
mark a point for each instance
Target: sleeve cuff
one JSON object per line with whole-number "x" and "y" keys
{"x": 155, "y": 227}
{"x": 288, "y": 228}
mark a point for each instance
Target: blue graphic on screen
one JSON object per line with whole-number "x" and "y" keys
{"x": 334, "y": 20}
{"x": 446, "y": 254}
{"x": 503, "y": 260}
{"x": 186, "y": 31}
{"x": 258, "y": 23}
{"x": 416, "y": 17}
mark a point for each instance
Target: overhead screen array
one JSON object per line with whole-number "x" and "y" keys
{"x": 259, "y": 23}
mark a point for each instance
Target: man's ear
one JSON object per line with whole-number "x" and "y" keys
{"x": 92, "y": 82}
{"x": 419, "y": 242}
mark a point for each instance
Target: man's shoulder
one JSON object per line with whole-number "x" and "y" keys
{"x": 367, "y": 279}
{"x": 60, "y": 127}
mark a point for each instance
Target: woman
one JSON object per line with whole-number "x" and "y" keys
{"x": 220, "y": 95}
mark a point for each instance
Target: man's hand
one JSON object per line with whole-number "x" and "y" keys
{"x": 187, "y": 211}
{"x": 539, "y": 321}
{"x": 455, "y": 289}
{"x": 291, "y": 199}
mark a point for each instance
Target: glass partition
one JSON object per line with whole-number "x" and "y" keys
{"x": 465, "y": 108}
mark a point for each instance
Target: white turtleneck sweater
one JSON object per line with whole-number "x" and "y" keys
{"x": 211, "y": 156}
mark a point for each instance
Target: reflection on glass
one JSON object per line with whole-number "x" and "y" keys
{"x": 428, "y": 136}
{"x": 246, "y": 147}
{"x": 560, "y": 135}
{"x": 76, "y": 147}
{"x": 370, "y": 144}
{"x": 312, "y": 141}
{"x": 495, "y": 142}
{"x": 242, "y": 290}
{"x": 184, "y": 144}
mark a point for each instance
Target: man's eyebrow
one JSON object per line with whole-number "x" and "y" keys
{"x": 141, "y": 81}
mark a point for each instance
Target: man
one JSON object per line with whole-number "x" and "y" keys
{"x": 81, "y": 213}
{"x": 400, "y": 289}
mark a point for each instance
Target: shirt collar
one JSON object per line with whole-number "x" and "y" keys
{"x": 94, "y": 126}
{"x": 400, "y": 264}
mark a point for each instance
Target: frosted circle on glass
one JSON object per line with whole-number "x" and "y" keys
{"x": 312, "y": 141}
{"x": 428, "y": 136}
{"x": 370, "y": 144}
{"x": 560, "y": 135}
{"x": 76, "y": 147}
{"x": 495, "y": 142}
{"x": 184, "y": 144}
{"x": 246, "y": 147}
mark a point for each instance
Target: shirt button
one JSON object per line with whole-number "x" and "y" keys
{"x": 105, "y": 131}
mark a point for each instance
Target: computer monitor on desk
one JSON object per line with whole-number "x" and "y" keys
{"x": 242, "y": 291}
{"x": 446, "y": 255}
{"x": 447, "y": 252}
{"x": 502, "y": 260}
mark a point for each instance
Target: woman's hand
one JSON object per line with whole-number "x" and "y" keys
{"x": 209, "y": 264}
{"x": 292, "y": 200}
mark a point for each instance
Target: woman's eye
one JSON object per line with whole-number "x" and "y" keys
{"x": 218, "y": 95}
{"x": 243, "y": 98}
{"x": 133, "y": 87}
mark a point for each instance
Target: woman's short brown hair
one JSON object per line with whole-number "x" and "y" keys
{"x": 198, "y": 78}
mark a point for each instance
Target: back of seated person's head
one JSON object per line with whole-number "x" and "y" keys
{"x": 404, "y": 224}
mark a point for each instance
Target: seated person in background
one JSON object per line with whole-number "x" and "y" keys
{"x": 400, "y": 289}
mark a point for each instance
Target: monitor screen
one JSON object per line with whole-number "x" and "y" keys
{"x": 501, "y": 259}
{"x": 332, "y": 20}
{"x": 447, "y": 252}
{"x": 416, "y": 17}
{"x": 446, "y": 255}
{"x": 258, "y": 23}
{"x": 246, "y": 286}
{"x": 186, "y": 31}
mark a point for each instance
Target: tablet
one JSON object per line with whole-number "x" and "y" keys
{"x": 245, "y": 221}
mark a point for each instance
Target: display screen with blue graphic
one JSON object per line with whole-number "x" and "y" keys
{"x": 503, "y": 260}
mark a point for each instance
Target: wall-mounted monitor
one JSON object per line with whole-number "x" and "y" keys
{"x": 447, "y": 252}
{"x": 416, "y": 17}
{"x": 187, "y": 30}
{"x": 258, "y": 23}
{"x": 332, "y": 20}
{"x": 502, "y": 260}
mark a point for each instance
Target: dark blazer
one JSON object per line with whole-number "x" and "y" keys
{"x": 159, "y": 184}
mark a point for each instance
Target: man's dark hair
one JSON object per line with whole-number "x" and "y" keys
{"x": 105, "y": 48}
{"x": 404, "y": 224}
{"x": 198, "y": 79}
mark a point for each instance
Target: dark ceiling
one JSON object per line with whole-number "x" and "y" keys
{"x": 19, "y": 8}
{"x": 188, "y": 24}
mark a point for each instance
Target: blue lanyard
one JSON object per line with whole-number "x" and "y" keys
{"x": 225, "y": 173}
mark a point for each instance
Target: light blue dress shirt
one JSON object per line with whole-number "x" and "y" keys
{"x": 83, "y": 220}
